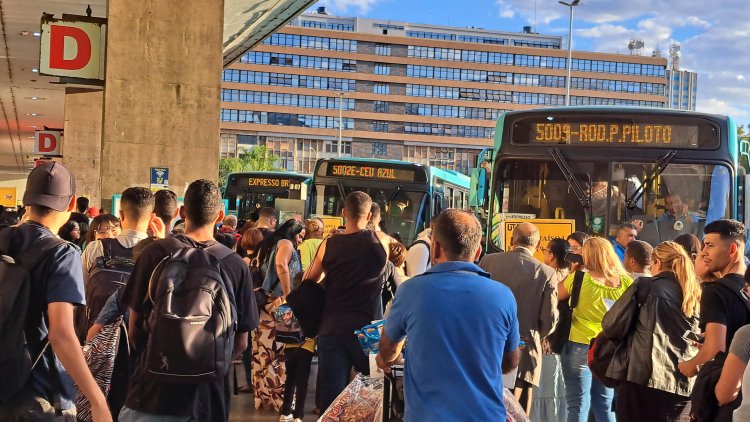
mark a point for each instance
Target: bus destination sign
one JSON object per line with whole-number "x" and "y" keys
{"x": 370, "y": 172}
{"x": 638, "y": 132}
{"x": 268, "y": 182}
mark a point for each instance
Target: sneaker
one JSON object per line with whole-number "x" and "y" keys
{"x": 286, "y": 418}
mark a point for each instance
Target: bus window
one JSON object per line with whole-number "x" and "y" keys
{"x": 682, "y": 199}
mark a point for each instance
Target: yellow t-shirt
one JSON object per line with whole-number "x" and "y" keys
{"x": 593, "y": 303}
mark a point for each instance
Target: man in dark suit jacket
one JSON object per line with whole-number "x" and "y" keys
{"x": 534, "y": 286}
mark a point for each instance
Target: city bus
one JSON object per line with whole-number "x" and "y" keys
{"x": 248, "y": 192}
{"x": 597, "y": 168}
{"x": 408, "y": 194}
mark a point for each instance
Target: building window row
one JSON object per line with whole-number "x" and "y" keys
{"x": 450, "y": 158}
{"x": 574, "y": 101}
{"x": 327, "y": 25}
{"x": 315, "y": 43}
{"x": 383, "y": 49}
{"x": 617, "y": 86}
{"x": 547, "y": 62}
{"x": 437, "y": 129}
{"x": 456, "y": 55}
{"x": 379, "y": 126}
{"x": 382, "y": 69}
{"x": 482, "y": 40}
{"x": 431, "y": 35}
{"x": 585, "y": 65}
{"x": 434, "y": 110}
{"x": 469, "y": 75}
{"x": 284, "y": 119}
{"x": 294, "y": 60}
{"x": 283, "y": 79}
{"x": 555, "y": 45}
{"x": 472, "y": 94}
{"x": 388, "y": 26}
{"x": 292, "y": 100}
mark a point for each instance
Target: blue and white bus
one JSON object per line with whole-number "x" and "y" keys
{"x": 408, "y": 194}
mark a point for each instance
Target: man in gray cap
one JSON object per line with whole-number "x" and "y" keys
{"x": 54, "y": 268}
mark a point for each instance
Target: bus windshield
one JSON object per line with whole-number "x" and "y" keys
{"x": 402, "y": 211}
{"x": 247, "y": 204}
{"x": 670, "y": 200}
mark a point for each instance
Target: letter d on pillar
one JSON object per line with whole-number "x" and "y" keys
{"x": 71, "y": 48}
{"x": 47, "y": 143}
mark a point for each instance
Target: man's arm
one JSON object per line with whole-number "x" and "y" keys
{"x": 511, "y": 360}
{"x": 714, "y": 342}
{"x": 62, "y": 338}
{"x": 315, "y": 272}
{"x": 548, "y": 313}
{"x": 240, "y": 344}
{"x": 389, "y": 353}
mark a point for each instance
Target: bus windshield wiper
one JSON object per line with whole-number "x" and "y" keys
{"x": 661, "y": 165}
{"x": 583, "y": 197}
{"x": 395, "y": 192}
{"x": 342, "y": 191}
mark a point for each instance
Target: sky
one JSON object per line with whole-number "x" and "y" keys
{"x": 714, "y": 37}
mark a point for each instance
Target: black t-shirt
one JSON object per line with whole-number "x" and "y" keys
{"x": 204, "y": 402}
{"x": 354, "y": 265}
{"x": 721, "y": 305}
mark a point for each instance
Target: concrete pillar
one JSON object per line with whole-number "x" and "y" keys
{"x": 82, "y": 144}
{"x": 161, "y": 101}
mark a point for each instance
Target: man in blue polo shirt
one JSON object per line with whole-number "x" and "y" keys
{"x": 462, "y": 330}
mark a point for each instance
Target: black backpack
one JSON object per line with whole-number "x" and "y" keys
{"x": 110, "y": 273}
{"x": 16, "y": 362}
{"x": 192, "y": 318}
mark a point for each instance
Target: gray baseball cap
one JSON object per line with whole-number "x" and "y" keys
{"x": 50, "y": 185}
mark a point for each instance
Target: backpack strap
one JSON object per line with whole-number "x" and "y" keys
{"x": 576, "y": 293}
{"x": 419, "y": 242}
{"x": 729, "y": 286}
{"x": 219, "y": 251}
{"x": 112, "y": 248}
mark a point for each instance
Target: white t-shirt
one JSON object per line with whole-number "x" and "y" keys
{"x": 418, "y": 255}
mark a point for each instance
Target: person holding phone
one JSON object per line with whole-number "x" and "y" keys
{"x": 666, "y": 330}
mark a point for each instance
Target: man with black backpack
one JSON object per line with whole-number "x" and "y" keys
{"x": 418, "y": 254}
{"x": 40, "y": 358}
{"x": 107, "y": 263}
{"x": 723, "y": 307}
{"x": 191, "y": 307}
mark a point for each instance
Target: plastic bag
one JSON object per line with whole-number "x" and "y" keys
{"x": 369, "y": 337}
{"x": 360, "y": 401}
{"x": 513, "y": 409}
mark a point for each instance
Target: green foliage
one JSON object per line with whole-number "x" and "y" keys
{"x": 742, "y": 132}
{"x": 256, "y": 159}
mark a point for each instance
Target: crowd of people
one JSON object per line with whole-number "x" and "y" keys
{"x": 140, "y": 316}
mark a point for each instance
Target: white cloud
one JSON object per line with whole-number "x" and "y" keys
{"x": 740, "y": 77}
{"x": 717, "y": 106}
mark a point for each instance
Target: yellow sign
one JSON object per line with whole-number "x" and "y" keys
{"x": 609, "y": 133}
{"x": 330, "y": 223}
{"x": 268, "y": 182}
{"x": 548, "y": 229}
{"x": 8, "y": 197}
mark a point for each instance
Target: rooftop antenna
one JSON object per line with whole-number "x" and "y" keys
{"x": 674, "y": 55}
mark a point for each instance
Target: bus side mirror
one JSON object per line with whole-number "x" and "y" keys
{"x": 478, "y": 190}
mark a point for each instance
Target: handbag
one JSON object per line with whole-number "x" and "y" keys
{"x": 608, "y": 354}
{"x": 560, "y": 336}
{"x": 307, "y": 302}
{"x": 287, "y": 326}
{"x": 262, "y": 297}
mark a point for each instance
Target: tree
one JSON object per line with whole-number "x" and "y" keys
{"x": 256, "y": 159}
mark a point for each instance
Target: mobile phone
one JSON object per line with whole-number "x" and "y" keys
{"x": 691, "y": 336}
{"x": 574, "y": 258}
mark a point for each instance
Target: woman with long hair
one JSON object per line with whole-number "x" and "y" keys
{"x": 549, "y": 397}
{"x": 654, "y": 388}
{"x": 314, "y": 230}
{"x": 281, "y": 263}
{"x": 603, "y": 283}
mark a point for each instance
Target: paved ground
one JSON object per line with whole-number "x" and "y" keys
{"x": 243, "y": 409}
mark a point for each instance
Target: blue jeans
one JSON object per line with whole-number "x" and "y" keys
{"x": 337, "y": 354}
{"x": 582, "y": 391}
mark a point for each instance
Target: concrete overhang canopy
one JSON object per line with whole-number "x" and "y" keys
{"x": 248, "y": 22}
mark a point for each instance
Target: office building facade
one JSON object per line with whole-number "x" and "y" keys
{"x": 682, "y": 89}
{"x": 421, "y": 93}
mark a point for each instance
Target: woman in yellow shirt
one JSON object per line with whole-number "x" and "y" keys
{"x": 603, "y": 283}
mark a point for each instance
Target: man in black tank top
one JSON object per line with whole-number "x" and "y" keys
{"x": 354, "y": 265}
